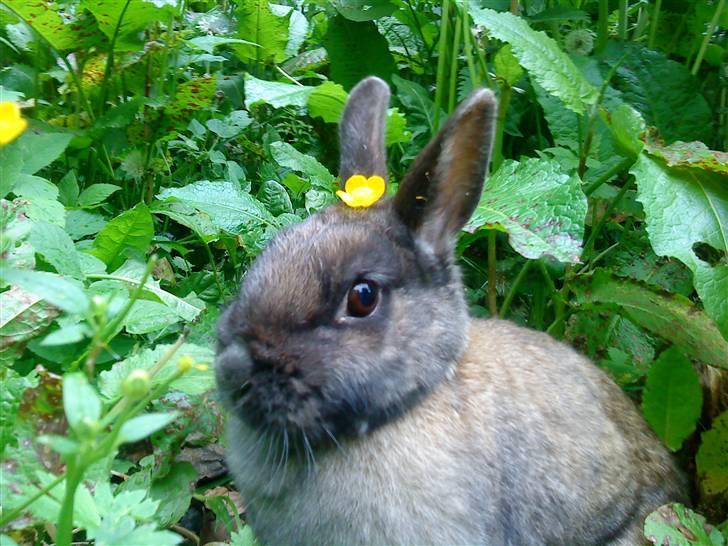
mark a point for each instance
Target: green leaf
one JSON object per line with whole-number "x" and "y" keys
{"x": 672, "y": 317}
{"x": 208, "y": 43}
{"x": 11, "y": 158}
{"x": 124, "y": 21}
{"x": 132, "y": 230}
{"x": 541, "y": 56}
{"x": 68, "y": 189}
{"x": 244, "y": 537}
{"x": 258, "y": 24}
{"x": 711, "y": 458}
{"x": 123, "y": 531}
{"x": 96, "y": 194}
{"x": 174, "y": 493}
{"x": 187, "y": 215}
{"x": 683, "y": 207}
{"x": 327, "y": 101}
{"x": 150, "y": 316}
{"x": 675, "y": 524}
{"x": 661, "y": 89}
{"x": 275, "y": 197}
{"x": 627, "y": 126}
{"x": 672, "y": 399}
{"x": 191, "y": 96}
{"x": 71, "y": 333}
{"x": 506, "y": 66}
{"x": 274, "y": 93}
{"x": 357, "y": 50}
{"x": 690, "y": 154}
{"x": 81, "y": 223}
{"x": 11, "y": 396}
{"x": 417, "y": 100}
{"x": 66, "y": 294}
{"x": 363, "y": 10}
{"x": 287, "y": 156}
{"x": 80, "y": 402}
{"x": 228, "y": 207}
{"x": 23, "y": 316}
{"x": 538, "y": 205}
{"x": 57, "y": 248}
{"x": 41, "y": 149}
{"x": 231, "y": 126}
{"x": 196, "y": 381}
{"x": 142, "y": 426}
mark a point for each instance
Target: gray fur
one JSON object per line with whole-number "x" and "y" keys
{"x": 416, "y": 424}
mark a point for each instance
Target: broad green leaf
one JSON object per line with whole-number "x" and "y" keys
{"x": 130, "y": 231}
{"x": 35, "y": 188}
{"x": 191, "y": 96}
{"x": 672, "y": 317}
{"x": 57, "y": 248}
{"x": 150, "y": 316}
{"x": 23, "y": 316}
{"x": 357, "y": 50}
{"x": 627, "y": 126}
{"x": 48, "y": 507}
{"x": 196, "y": 381}
{"x": 40, "y": 150}
{"x": 274, "y": 93}
{"x": 506, "y": 66}
{"x": 258, "y": 24}
{"x": 96, "y": 194}
{"x": 208, "y": 43}
{"x": 661, "y": 89}
{"x": 327, "y": 101}
{"x": 228, "y": 207}
{"x": 71, "y": 333}
{"x": 417, "y": 100}
{"x": 66, "y": 294}
{"x": 120, "y": 116}
{"x": 672, "y": 399}
{"x": 81, "y": 223}
{"x": 142, "y": 426}
{"x": 11, "y": 158}
{"x": 683, "y": 207}
{"x": 711, "y": 458}
{"x": 363, "y": 10}
{"x": 287, "y": 156}
{"x": 690, "y": 154}
{"x": 231, "y": 126}
{"x": 186, "y": 214}
{"x": 61, "y": 26}
{"x": 68, "y": 189}
{"x": 678, "y": 525}
{"x": 124, "y": 531}
{"x": 124, "y": 21}
{"x": 174, "y": 493}
{"x": 297, "y": 27}
{"x": 541, "y": 208}
{"x": 11, "y": 397}
{"x": 81, "y": 403}
{"x": 541, "y": 56}
{"x": 275, "y": 198}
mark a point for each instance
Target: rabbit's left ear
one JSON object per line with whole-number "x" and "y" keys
{"x": 444, "y": 183}
{"x": 361, "y": 132}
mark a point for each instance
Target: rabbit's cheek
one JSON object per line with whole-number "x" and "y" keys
{"x": 232, "y": 372}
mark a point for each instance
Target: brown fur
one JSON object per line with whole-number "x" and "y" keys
{"x": 416, "y": 424}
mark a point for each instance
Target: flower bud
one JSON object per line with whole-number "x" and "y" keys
{"x": 136, "y": 384}
{"x": 185, "y": 364}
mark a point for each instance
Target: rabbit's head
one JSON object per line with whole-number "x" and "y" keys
{"x": 347, "y": 319}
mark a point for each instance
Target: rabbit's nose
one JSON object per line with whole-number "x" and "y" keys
{"x": 233, "y": 367}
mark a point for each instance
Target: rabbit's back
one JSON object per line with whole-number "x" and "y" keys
{"x": 526, "y": 443}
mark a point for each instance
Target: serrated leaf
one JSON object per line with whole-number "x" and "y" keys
{"x": 274, "y": 93}
{"x": 673, "y": 317}
{"x": 684, "y": 207}
{"x": 357, "y": 50}
{"x": 130, "y": 231}
{"x": 142, "y": 426}
{"x": 66, "y": 294}
{"x": 275, "y": 198}
{"x": 672, "y": 399}
{"x": 506, "y": 65}
{"x": 57, "y": 248}
{"x": 80, "y": 401}
{"x": 287, "y": 156}
{"x": 96, "y": 194}
{"x": 124, "y": 531}
{"x": 675, "y": 524}
{"x": 541, "y": 56}
{"x": 258, "y": 24}
{"x": 711, "y": 459}
{"x": 195, "y": 381}
{"x": 187, "y": 215}
{"x": 538, "y": 205}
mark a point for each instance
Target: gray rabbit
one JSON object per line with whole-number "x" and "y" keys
{"x": 366, "y": 407}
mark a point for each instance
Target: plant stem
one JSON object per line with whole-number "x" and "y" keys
{"x": 602, "y": 26}
{"x": 468, "y": 49}
{"x": 492, "y": 288}
{"x": 589, "y": 245}
{"x": 708, "y": 36}
{"x": 623, "y": 8}
{"x": 441, "y": 60}
{"x": 619, "y": 167}
{"x": 10, "y": 516}
{"x": 64, "y": 529}
{"x": 452, "y": 93}
{"x": 110, "y": 59}
{"x": 654, "y": 23}
{"x": 514, "y": 287}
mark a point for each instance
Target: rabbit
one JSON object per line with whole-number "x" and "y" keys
{"x": 367, "y": 408}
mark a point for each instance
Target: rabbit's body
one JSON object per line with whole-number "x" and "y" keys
{"x": 367, "y": 408}
{"x": 496, "y": 455}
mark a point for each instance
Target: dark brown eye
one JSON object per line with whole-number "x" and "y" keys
{"x": 362, "y": 299}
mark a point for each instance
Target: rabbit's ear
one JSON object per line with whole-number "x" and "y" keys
{"x": 444, "y": 183}
{"x": 362, "y": 130}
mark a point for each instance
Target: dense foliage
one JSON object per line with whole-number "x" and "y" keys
{"x": 168, "y": 141}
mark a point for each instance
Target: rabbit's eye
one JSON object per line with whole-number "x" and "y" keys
{"x": 362, "y": 299}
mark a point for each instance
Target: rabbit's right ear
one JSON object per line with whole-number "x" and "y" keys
{"x": 444, "y": 183}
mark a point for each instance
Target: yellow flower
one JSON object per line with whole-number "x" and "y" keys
{"x": 362, "y": 191}
{"x": 11, "y": 123}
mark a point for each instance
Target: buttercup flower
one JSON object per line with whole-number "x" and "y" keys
{"x": 11, "y": 123}
{"x": 362, "y": 191}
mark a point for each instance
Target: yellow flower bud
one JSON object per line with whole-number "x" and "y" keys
{"x": 362, "y": 192}
{"x": 185, "y": 364}
{"x": 137, "y": 384}
{"x": 11, "y": 122}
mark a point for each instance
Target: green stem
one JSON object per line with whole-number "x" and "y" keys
{"x": 602, "y": 26}
{"x": 64, "y": 530}
{"x": 214, "y": 268}
{"x": 468, "y": 49}
{"x": 10, "y": 516}
{"x": 492, "y": 277}
{"x": 452, "y": 93}
{"x": 441, "y": 62}
{"x": 623, "y": 9}
{"x": 708, "y": 36}
{"x": 110, "y": 58}
{"x": 589, "y": 245}
{"x": 654, "y": 23}
{"x": 514, "y": 287}
{"x": 619, "y": 167}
